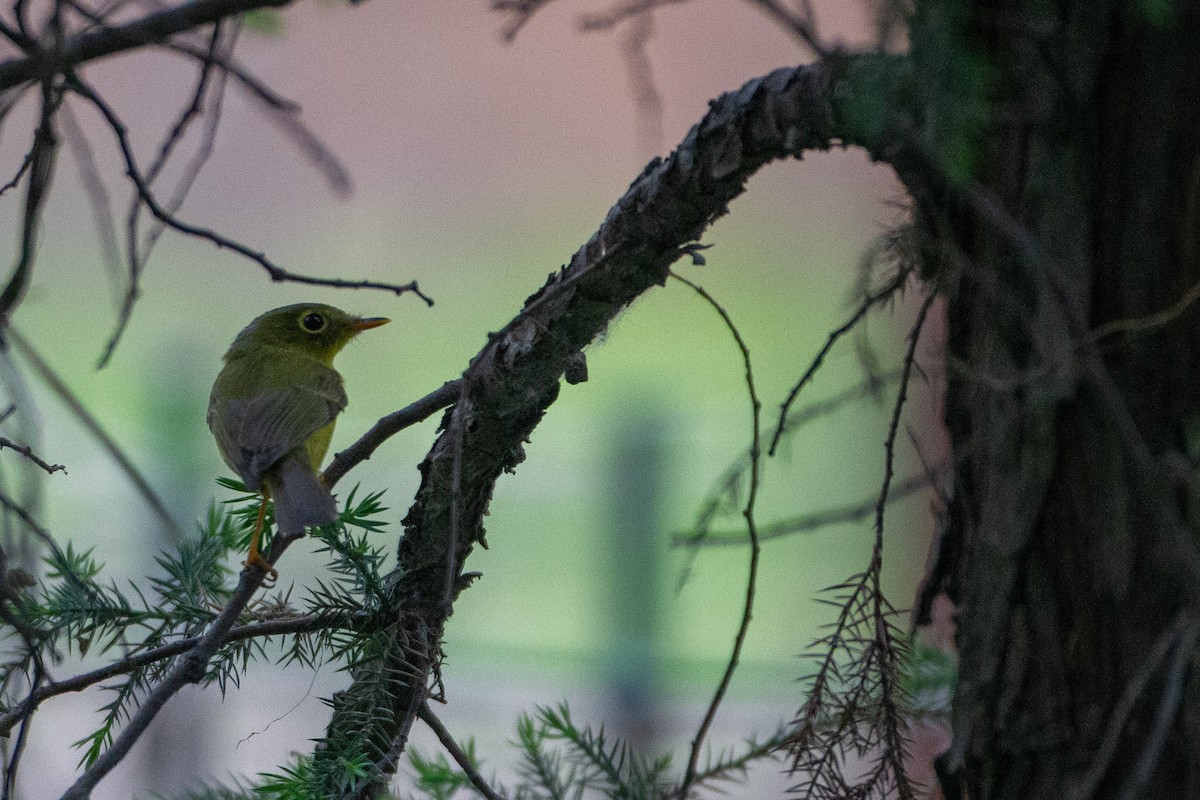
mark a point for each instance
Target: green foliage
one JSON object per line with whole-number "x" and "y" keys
{"x": 77, "y": 610}
{"x": 928, "y": 680}
{"x": 436, "y": 777}
{"x": 956, "y": 84}
{"x": 266, "y": 22}
{"x": 559, "y": 760}
{"x": 236, "y": 792}
{"x": 297, "y": 780}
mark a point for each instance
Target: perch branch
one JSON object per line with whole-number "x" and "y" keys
{"x": 272, "y": 627}
{"x": 511, "y": 383}
{"x": 190, "y": 668}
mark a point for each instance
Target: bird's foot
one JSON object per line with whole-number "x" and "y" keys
{"x": 270, "y": 573}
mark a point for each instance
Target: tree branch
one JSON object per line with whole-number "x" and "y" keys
{"x": 387, "y": 427}
{"x": 151, "y": 29}
{"x": 462, "y": 759}
{"x": 188, "y": 669}
{"x": 511, "y": 383}
{"x": 306, "y": 623}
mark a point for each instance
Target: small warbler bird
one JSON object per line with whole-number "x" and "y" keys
{"x": 273, "y": 408}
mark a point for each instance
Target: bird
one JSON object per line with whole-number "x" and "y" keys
{"x": 272, "y": 411}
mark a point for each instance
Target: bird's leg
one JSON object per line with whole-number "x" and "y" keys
{"x": 255, "y": 557}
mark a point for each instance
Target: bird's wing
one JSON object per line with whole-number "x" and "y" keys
{"x": 261, "y": 429}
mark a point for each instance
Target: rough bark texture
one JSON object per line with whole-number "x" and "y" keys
{"x": 513, "y": 381}
{"x": 1075, "y": 434}
{"x": 1053, "y": 154}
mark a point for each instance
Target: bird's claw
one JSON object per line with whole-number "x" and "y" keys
{"x": 270, "y": 574}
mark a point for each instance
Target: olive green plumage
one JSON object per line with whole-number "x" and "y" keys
{"x": 274, "y": 405}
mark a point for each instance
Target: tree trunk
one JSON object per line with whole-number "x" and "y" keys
{"x": 1073, "y": 366}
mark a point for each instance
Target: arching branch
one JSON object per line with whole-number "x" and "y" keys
{"x": 511, "y": 383}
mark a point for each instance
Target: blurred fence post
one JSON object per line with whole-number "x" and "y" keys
{"x": 634, "y": 663}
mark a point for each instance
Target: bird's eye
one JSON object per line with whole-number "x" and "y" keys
{"x": 312, "y": 322}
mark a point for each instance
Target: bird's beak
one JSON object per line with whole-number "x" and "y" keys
{"x": 366, "y": 323}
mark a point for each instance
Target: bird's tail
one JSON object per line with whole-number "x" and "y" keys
{"x": 301, "y": 500}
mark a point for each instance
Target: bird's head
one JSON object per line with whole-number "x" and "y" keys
{"x": 315, "y": 329}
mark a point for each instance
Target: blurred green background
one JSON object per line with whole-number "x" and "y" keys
{"x": 479, "y": 167}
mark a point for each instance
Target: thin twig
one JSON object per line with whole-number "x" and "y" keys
{"x": 894, "y": 742}
{"x": 139, "y": 251}
{"x": 14, "y": 761}
{"x": 309, "y": 145}
{"x": 192, "y": 111}
{"x": 1172, "y": 636}
{"x": 519, "y": 13}
{"x": 32, "y": 456}
{"x": 15, "y": 181}
{"x": 464, "y": 762}
{"x": 93, "y": 426}
{"x": 190, "y": 668}
{"x": 802, "y": 26}
{"x": 272, "y": 627}
{"x": 639, "y": 69}
{"x": 689, "y": 775}
{"x": 387, "y": 427}
{"x": 806, "y": 523}
{"x": 41, "y": 170}
{"x": 251, "y": 84}
{"x": 1148, "y": 321}
{"x": 730, "y": 480}
{"x": 611, "y": 17}
{"x": 275, "y": 272}
{"x": 93, "y": 186}
{"x": 1165, "y": 712}
{"x": 23, "y": 514}
{"x": 869, "y": 302}
{"x": 150, "y": 29}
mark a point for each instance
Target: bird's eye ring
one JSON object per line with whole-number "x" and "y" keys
{"x": 312, "y": 322}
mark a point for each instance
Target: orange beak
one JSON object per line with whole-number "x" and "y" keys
{"x": 366, "y": 323}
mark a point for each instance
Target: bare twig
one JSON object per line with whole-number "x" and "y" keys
{"x": 193, "y": 110}
{"x": 727, "y": 484}
{"x": 647, "y": 100}
{"x": 884, "y": 294}
{"x": 308, "y": 144}
{"x": 1149, "y": 321}
{"x": 802, "y": 25}
{"x": 139, "y": 251}
{"x": 1171, "y": 637}
{"x": 893, "y": 724}
{"x": 519, "y": 12}
{"x": 628, "y": 9}
{"x": 806, "y": 523}
{"x": 153, "y": 28}
{"x": 689, "y": 775}
{"x": 93, "y": 186}
{"x": 464, "y": 762}
{"x": 32, "y": 456}
{"x": 252, "y": 85}
{"x": 23, "y": 514}
{"x": 20, "y": 173}
{"x": 56, "y": 384}
{"x": 387, "y": 427}
{"x": 190, "y": 668}
{"x": 1165, "y": 712}
{"x": 41, "y": 170}
{"x": 271, "y": 627}
{"x": 276, "y": 272}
